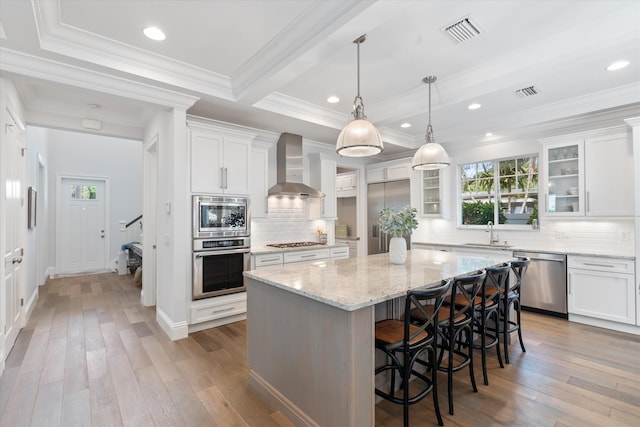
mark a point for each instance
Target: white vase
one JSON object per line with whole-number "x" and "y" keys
{"x": 397, "y": 250}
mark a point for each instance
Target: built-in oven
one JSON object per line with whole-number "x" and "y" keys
{"x": 221, "y": 216}
{"x": 218, "y": 266}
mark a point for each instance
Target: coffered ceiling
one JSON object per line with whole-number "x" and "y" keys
{"x": 272, "y": 64}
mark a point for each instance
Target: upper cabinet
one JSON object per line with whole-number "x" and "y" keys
{"x": 220, "y": 159}
{"x": 389, "y": 171}
{"x": 431, "y": 196}
{"x": 589, "y": 174}
{"x": 259, "y": 183}
{"x": 346, "y": 184}
{"x": 323, "y": 177}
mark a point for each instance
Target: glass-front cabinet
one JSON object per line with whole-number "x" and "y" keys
{"x": 431, "y": 203}
{"x": 564, "y": 170}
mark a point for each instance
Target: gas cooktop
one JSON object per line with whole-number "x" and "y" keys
{"x": 293, "y": 244}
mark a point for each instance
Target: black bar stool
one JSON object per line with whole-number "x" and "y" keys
{"x": 404, "y": 340}
{"x": 509, "y": 300}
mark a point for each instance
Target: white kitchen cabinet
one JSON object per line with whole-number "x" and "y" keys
{"x": 352, "y": 244}
{"x": 267, "y": 260}
{"x": 346, "y": 184}
{"x": 306, "y": 256}
{"x": 602, "y": 288}
{"x": 229, "y": 307}
{"x": 389, "y": 171}
{"x": 431, "y": 199}
{"x": 323, "y": 177}
{"x": 589, "y": 174}
{"x": 220, "y": 159}
{"x": 339, "y": 252}
{"x": 259, "y": 184}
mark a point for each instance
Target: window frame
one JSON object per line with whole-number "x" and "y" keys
{"x": 496, "y": 178}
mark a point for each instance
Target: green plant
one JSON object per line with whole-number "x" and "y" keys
{"x": 398, "y": 223}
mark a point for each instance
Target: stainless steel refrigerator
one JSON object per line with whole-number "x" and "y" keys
{"x": 380, "y": 195}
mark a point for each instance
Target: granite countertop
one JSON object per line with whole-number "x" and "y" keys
{"x": 546, "y": 250}
{"x": 354, "y": 283}
{"x": 257, "y": 250}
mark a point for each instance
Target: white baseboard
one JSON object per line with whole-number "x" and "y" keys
{"x": 31, "y": 305}
{"x": 195, "y": 327}
{"x": 607, "y": 324}
{"x": 174, "y": 330}
{"x": 280, "y": 402}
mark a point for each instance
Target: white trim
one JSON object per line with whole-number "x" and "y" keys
{"x": 279, "y": 401}
{"x": 174, "y": 330}
{"x": 55, "y": 36}
{"x": 54, "y": 71}
{"x": 31, "y": 305}
{"x": 606, "y": 324}
{"x": 195, "y": 327}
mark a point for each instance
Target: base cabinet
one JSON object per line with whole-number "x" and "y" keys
{"x": 602, "y": 288}
{"x": 217, "y": 308}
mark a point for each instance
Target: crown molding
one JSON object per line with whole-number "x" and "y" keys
{"x": 54, "y": 36}
{"x": 49, "y": 70}
{"x": 293, "y": 107}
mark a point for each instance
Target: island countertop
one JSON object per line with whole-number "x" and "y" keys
{"x": 354, "y": 283}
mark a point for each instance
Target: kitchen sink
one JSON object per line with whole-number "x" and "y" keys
{"x": 488, "y": 245}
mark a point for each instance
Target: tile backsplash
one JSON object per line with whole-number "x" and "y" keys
{"x": 287, "y": 221}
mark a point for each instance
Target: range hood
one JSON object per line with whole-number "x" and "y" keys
{"x": 289, "y": 169}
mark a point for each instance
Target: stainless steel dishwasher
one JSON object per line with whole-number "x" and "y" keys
{"x": 544, "y": 286}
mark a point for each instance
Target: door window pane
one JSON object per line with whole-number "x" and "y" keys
{"x": 83, "y": 192}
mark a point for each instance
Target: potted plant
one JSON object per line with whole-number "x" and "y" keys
{"x": 398, "y": 223}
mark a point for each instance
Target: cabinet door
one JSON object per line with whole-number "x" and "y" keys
{"x": 431, "y": 193}
{"x": 602, "y": 295}
{"x": 259, "y": 182}
{"x": 564, "y": 174}
{"x": 398, "y": 172}
{"x": 206, "y": 162}
{"x": 237, "y": 153}
{"x": 609, "y": 176}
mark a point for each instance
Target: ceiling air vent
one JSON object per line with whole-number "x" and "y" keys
{"x": 527, "y": 91}
{"x": 462, "y": 31}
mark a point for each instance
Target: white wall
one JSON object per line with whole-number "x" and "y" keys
{"x": 36, "y": 176}
{"x": 81, "y": 154}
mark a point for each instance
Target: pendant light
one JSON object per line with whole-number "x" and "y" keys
{"x": 430, "y": 155}
{"x": 359, "y": 138}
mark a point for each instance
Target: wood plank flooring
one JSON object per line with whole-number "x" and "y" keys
{"x": 92, "y": 355}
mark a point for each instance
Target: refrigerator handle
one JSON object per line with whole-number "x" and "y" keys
{"x": 374, "y": 230}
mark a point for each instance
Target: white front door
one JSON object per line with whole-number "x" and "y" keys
{"x": 81, "y": 225}
{"x": 15, "y": 196}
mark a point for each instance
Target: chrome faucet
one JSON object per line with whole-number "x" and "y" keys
{"x": 492, "y": 240}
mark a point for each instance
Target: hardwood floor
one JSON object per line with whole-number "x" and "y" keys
{"x": 92, "y": 355}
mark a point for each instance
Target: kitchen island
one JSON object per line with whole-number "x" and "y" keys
{"x": 310, "y": 329}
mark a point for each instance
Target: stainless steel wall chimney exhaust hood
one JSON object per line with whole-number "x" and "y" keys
{"x": 289, "y": 169}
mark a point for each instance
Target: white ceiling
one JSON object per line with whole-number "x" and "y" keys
{"x": 272, "y": 64}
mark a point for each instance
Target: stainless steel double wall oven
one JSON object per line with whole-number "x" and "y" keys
{"x": 221, "y": 245}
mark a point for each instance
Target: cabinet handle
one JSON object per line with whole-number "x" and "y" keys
{"x": 225, "y": 178}
{"x": 222, "y": 177}
{"x": 570, "y": 287}
{"x": 308, "y": 256}
{"x": 269, "y": 260}
{"x": 588, "y": 209}
{"x": 222, "y": 310}
{"x": 599, "y": 265}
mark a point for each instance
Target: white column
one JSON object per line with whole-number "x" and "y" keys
{"x": 634, "y": 123}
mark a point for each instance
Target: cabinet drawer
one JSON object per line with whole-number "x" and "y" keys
{"x": 615, "y": 265}
{"x": 339, "y": 253}
{"x": 218, "y": 307}
{"x": 302, "y": 256}
{"x": 266, "y": 260}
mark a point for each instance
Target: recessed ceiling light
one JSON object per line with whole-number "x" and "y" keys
{"x": 405, "y": 125}
{"x": 618, "y": 65}
{"x": 93, "y": 106}
{"x": 154, "y": 33}
{"x": 488, "y": 134}
{"x": 333, "y": 99}
{"x": 474, "y": 106}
